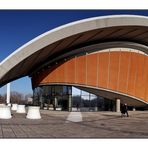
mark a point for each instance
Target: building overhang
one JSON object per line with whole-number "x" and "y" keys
{"x": 106, "y": 93}
{"x": 68, "y": 38}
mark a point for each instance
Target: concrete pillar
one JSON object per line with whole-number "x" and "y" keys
{"x": 70, "y": 103}
{"x": 118, "y": 105}
{"x": 8, "y": 94}
{"x": 55, "y": 103}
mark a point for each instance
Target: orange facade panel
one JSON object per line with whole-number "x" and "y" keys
{"x": 70, "y": 71}
{"x": 145, "y": 79}
{"x": 139, "y": 83}
{"x": 91, "y": 69}
{"x": 81, "y": 70}
{"x": 124, "y": 61}
{"x": 126, "y": 72}
{"x": 132, "y": 74}
{"x": 50, "y": 76}
{"x": 60, "y": 73}
{"x": 103, "y": 66}
{"x": 113, "y": 70}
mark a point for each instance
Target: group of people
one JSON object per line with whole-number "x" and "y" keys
{"x": 124, "y": 110}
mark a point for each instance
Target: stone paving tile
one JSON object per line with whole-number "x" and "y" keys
{"x": 94, "y": 125}
{"x": 18, "y": 131}
{"x": 1, "y": 132}
{"x": 8, "y": 132}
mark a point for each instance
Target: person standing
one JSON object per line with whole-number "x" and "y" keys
{"x": 122, "y": 110}
{"x": 77, "y": 106}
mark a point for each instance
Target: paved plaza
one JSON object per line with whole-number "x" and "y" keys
{"x": 56, "y": 124}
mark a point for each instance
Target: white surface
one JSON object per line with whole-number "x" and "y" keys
{"x": 9, "y": 104}
{"x": 5, "y": 112}
{"x": 14, "y": 107}
{"x": 21, "y": 109}
{"x": 2, "y": 104}
{"x": 74, "y": 117}
{"x": 117, "y": 105}
{"x": 51, "y": 108}
{"x": 58, "y": 108}
{"x": 33, "y": 112}
{"x": 8, "y": 93}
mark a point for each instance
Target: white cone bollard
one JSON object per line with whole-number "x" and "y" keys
{"x": 33, "y": 112}
{"x": 14, "y": 107}
{"x": 21, "y": 109}
{"x": 5, "y": 112}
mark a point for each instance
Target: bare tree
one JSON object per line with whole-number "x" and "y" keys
{"x": 27, "y": 97}
{"x": 15, "y": 97}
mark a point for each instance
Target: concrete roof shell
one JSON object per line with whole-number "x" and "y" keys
{"x": 10, "y": 68}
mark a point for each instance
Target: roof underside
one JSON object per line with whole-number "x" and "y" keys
{"x": 34, "y": 56}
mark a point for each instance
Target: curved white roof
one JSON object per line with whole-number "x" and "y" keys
{"x": 70, "y": 37}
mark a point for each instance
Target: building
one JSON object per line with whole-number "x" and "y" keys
{"x": 105, "y": 58}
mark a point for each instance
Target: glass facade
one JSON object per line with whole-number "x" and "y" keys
{"x": 84, "y": 101}
{"x": 52, "y": 97}
{"x": 68, "y": 98}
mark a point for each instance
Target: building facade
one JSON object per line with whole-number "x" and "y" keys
{"x": 104, "y": 58}
{"x": 113, "y": 70}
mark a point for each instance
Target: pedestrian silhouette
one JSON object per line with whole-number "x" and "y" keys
{"x": 124, "y": 110}
{"x": 77, "y": 106}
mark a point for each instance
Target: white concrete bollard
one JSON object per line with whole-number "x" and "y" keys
{"x": 9, "y": 104}
{"x": 5, "y": 112}
{"x": 33, "y": 112}
{"x": 21, "y": 109}
{"x": 14, "y": 107}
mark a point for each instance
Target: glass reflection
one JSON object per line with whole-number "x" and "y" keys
{"x": 58, "y": 97}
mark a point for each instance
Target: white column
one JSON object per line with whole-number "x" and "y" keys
{"x": 118, "y": 105}
{"x": 70, "y": 103}
{"x": 8, "y": 94}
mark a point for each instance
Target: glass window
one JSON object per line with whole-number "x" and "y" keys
{"x": 69, "y": 90}
{"x": 65, "y": 90}
{"x": 93, "y": 101}
{"x": 85, "y": 101}
{"x": 58, "y": 90}
{"x": 84, "y": 93}
{"x": 76, "y": 101}
{"x": 53, "y": 90}
{"x": 81, "y": 100}
{"x": 76, "y": 91}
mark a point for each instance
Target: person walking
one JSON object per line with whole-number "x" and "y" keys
{"x": 126, "y": 110}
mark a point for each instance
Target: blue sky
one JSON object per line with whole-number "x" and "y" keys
{"x": 20, "y": 26}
